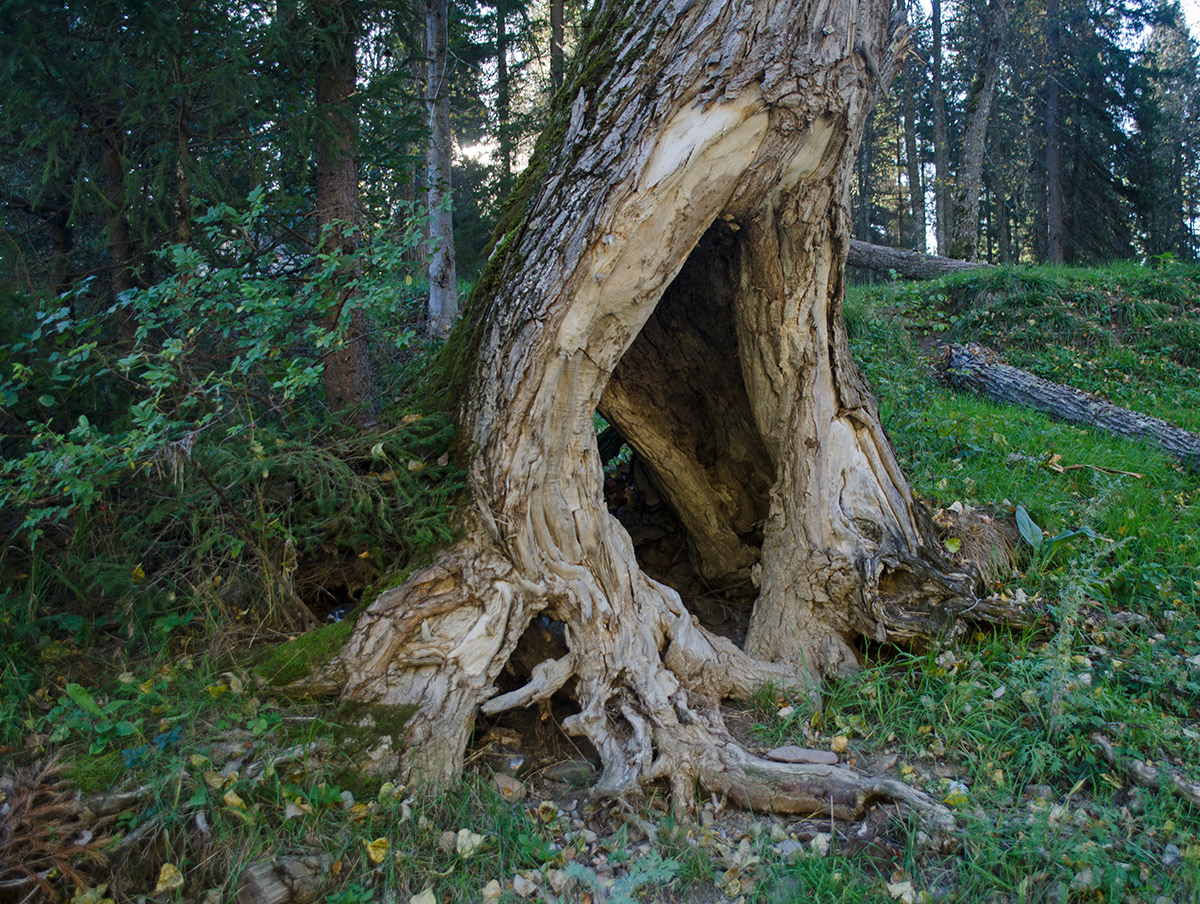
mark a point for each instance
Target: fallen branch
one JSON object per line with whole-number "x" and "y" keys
{"x": 1146, "y": 775}
{"x": 909, "y": 264}
{"x": 982, "y": 371}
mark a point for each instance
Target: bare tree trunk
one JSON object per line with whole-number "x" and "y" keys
{"x": 443, "y": 277}
{"x": 916, "y": 187}
{"x": 503, "y": 99}
{"x": 964, "y": 212}
{"x": 697, "y": 231}
{"x": 556, "y": 44}
{"x": 1054, "y": 181}
{"x": 349, "y": 379}
{"x": 985, "y": 373}
{"x": 909, "y": 264}
{"x": 941, "y": 138}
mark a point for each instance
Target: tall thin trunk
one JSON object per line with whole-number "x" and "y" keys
{"x": 963, "y": 238}
{"x": 349, "y": 380}
{"x": 443, "y": 279}
{"x": 503, "y": 98}
{"x": 1054, "y": 185}
{"x": 941, "y": 139}
{"x": 556, "y": 44}
{"x": 916, "y": 191}
{"x": 183, "y": 181}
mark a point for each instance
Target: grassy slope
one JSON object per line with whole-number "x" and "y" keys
{"x": 996, "y": 724}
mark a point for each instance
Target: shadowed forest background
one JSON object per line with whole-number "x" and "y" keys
{"x": 223, "y": 228}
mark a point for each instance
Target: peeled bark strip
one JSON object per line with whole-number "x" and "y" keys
{"x": 909, "y": 264}
{"x": 679, "y": 265}
{"x": 984, "y": 372}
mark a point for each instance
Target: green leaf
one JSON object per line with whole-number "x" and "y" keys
{"x": 46, "y": 401}
{"x": 1030, "y": 532}
{"x": 84, "y": 699}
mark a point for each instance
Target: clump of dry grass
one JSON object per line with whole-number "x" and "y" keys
{"x": 44, "y": 837}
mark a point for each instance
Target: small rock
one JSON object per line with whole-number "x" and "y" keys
{"x": 509, "y": 787}
{"x": 524, "y": 887}
{"x": 707, "y": 818}
{"x": 820, "y": 844}
{"x": 788, "y": 848}
{"x": 1172, "y": 856}
{"x": 572, "y": 772}
{"x": 785, "y": 711}
{"x": 778, "y": 835}
{"x": 839, "y": 744}
{"x": 587, "y": 836}
{"x": 491, "y": 892}
{"x": 1084, "y": 880}
{"x": 793, "y": 754}
{"x": 467, "y": 842}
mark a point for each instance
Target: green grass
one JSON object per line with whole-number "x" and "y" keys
{"x": 998, "y": 723}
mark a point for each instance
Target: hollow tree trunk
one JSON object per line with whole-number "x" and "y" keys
{"x": 678, "y": 263}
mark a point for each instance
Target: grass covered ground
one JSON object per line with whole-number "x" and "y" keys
{"x": 199, "y": 770}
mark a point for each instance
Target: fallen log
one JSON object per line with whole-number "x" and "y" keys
{"x": 982, "y": 371}
{"x": 909, "y": 264}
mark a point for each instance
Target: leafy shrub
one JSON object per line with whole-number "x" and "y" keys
{"x": 172, "y": 455}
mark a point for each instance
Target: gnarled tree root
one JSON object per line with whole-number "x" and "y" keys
{"x": 1146, "y": 775}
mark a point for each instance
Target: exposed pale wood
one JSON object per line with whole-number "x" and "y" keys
{"x": 982, "y": 371}
{"x": 285, "y": 880}
{"x": 680, "y": 266}
{"x": 1144, "y": 774}
{"x": 909, "y": 264}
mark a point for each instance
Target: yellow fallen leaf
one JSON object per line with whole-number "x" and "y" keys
{"x": 415, "y": 464}
{"x": 377, "y": 851}
{"x": 92, "y": 895}
{"x": 467, "y": 842}
{"x": 410, "y": 418}
{"x": 197, "y": 760}
{"x": 425, "y": 897}
{"x": 138, "y": 574}
{"x": 216, "y": 690}
{"x": 233, "y": 800}
{"x": 359, "y": 812}
{"x": 169, "y": 878}
{"x": 124, "y": 678}
{"x": 213, "y": 779}
{"x": 838, "y": 744}
{"x": 146, "y": 686}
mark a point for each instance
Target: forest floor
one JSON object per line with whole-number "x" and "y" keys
{"x": 1069, "y": 752}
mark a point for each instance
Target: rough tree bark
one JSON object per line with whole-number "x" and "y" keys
{"x": 675, "y": 258}
{"x": 983, "y": 372}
